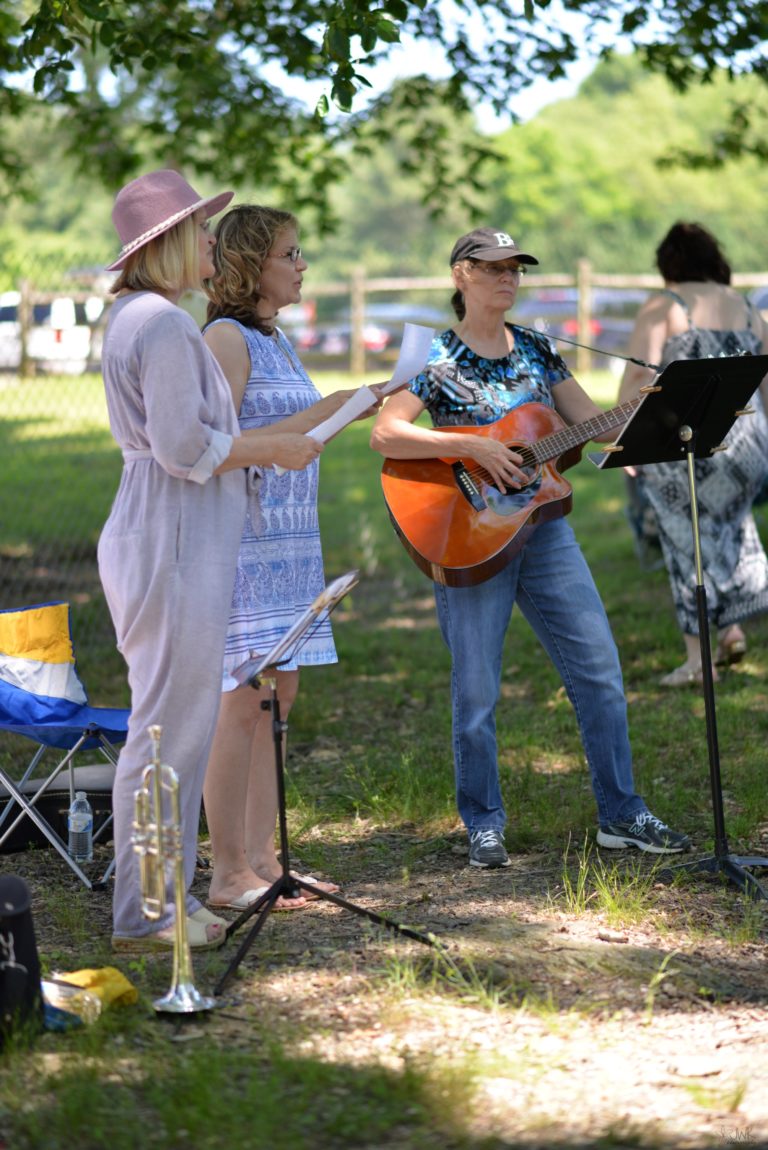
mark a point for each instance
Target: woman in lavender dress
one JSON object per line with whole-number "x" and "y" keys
{"x": 168, "y": 550}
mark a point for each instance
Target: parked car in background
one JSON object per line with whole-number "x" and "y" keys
{"x": 382, "y": 329}
{"x": 336, "y": 339}
{"x": 60, "y": 337}
{"x": 554, "y": 312}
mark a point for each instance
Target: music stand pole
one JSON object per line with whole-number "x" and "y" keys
{"x": 722, "y": 861}
{"x": 694, "y": 403}
{"x": 289, "y": 884}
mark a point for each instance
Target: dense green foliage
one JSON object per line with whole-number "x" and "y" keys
{"x": 219, "y": 86}
{"x": 584, "y": 176}
{"x": 581, "y": 178}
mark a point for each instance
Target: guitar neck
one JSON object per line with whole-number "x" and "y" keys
{"x": 554, "y": 445}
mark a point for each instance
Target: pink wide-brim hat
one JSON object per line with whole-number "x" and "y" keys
{"x": 154, "y": 203}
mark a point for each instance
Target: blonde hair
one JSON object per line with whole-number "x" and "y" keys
{"x": 245, "y": 236}
{"x": 169, "y": 263}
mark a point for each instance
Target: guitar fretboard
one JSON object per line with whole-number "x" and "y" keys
{"x": 554, "y": 445}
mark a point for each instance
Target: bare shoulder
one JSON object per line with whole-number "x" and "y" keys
{"x": 658, "y": 306}
{"x": 224, "y": 336}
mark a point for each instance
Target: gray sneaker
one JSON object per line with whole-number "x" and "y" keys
{"x": 645, "y": 832}
{"x": 486, "y": 849}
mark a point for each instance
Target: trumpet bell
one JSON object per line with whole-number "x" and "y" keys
{"x": 183, "y": 998}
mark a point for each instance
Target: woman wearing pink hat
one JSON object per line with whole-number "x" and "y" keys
{"x": 168, "y": 551}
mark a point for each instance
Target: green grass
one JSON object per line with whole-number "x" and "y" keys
{"x": 369, "y": 763}
{"x": 383, "y": 712}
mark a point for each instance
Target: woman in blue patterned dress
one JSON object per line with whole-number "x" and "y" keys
{"x": 259, "y": 270}
{"x": 480, "y": 370}
{"x": 699, "y": 316}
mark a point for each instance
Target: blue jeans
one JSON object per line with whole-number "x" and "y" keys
{"x": 553, "y": 587}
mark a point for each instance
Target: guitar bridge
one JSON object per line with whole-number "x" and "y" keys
{"x": 467, "y": 486}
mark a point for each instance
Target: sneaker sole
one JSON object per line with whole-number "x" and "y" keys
{"x": 617, "y": 842}
{"x": 490, "y": 866}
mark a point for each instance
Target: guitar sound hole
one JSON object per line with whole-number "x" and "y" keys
{"x": 528, "y": 466}
{"x": 531, "y": 473}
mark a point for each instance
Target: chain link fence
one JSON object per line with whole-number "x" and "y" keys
{"x": 59, "y": 466}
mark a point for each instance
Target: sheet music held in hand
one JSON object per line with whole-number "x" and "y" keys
{"x": 414, "y": 351}
{"x": 319, "y": 609}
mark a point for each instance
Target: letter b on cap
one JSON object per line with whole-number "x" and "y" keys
{"x": 503, "y": 240}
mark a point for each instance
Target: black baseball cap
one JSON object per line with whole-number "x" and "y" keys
{"x": 488, "y": 244}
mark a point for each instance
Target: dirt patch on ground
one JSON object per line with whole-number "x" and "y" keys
{"x": 575, "y": 1032}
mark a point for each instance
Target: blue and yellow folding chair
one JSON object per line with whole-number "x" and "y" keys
{"x": 43, "y": 699}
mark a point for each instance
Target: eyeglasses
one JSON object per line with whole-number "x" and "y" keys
{"x": 497, "y": 270}
{"x": 293, "y": 254}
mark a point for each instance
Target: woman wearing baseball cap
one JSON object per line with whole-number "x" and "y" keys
{"x": 480, "y": 370}
{"x": 168, "y": 551}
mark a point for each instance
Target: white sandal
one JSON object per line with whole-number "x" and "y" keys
{"x": 165, "y": 939}
{"x": 686, "y": 675}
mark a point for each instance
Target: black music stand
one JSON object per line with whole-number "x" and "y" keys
{"x": 288, "y": 884}
{"x": 687, "y": 412}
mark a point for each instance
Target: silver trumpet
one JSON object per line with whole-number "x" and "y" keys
{"x": 157, "y": 841}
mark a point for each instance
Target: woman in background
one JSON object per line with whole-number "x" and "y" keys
{"x": 698, "y": 315}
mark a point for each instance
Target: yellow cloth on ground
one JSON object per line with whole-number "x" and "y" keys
{"x": 112, "y": 987}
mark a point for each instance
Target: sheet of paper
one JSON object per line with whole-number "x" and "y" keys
{"x": 414, "y": 352}
{"x": 361, "y": 401}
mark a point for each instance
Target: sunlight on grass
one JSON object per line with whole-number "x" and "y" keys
{"x": 621, "y": 892}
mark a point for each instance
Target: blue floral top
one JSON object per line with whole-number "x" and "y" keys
{"x": 460, "y": 387}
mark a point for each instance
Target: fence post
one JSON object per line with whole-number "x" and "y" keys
{"x": 584, "y": 315}
{"x": 25, "y": 323}
{"x": 357, "y": 319}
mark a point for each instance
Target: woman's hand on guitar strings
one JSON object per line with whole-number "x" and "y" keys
{"x": 500, "y": 462}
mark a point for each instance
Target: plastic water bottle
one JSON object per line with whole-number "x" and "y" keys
{"x": 80, "y": 826}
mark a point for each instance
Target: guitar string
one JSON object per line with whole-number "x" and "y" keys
{"x": 554, "y": 444}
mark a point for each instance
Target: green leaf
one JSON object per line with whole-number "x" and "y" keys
{"x": 336, "y": 42}
{"x": 388, "y": 31}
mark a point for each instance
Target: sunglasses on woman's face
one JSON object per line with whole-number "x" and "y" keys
{"x": 498, "y": 269}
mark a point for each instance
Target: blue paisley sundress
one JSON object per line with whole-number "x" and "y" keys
{"x": 280, "y": 563}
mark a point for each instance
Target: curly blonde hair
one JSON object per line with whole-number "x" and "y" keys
{"x": 245, "y": 236}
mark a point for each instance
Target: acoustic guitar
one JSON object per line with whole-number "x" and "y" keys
{"x": 456, "y": 525}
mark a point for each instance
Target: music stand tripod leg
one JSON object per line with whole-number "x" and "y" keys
{"x": 289, "y": 884}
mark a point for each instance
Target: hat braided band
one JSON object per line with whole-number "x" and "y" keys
{"x": 159, "y": 228}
